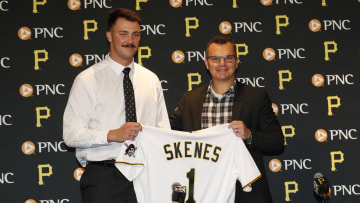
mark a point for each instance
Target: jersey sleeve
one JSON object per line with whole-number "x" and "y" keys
{"x": 246, "y": 167}
{"x": 130, "y": 160}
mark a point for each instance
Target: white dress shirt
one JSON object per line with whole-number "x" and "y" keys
{"x": 96, "y": 105}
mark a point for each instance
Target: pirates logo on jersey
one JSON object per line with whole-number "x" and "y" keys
{"x": 130, "y": 150}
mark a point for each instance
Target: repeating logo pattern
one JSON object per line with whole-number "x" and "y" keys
{"x": 307, "y": 61}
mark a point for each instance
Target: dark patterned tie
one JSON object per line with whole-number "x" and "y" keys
{"x": 130, "y": 109}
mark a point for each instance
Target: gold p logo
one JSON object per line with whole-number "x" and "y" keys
{"x": 26, "y": 90}
{"x": 141, "y": 55}
{"x": 42, "y": 173}
{"x": 331, "y": 105}
{"x": 321, "y": 135}
{"x": 75, "y": 60}
{"x": 285, "y": 129}
{"x": 36, "y": 3}
{"x": 24, "y": 33}
{"x": 192, "y": 82}
{"x": 318, "y": 80}
{"x": 288, "y": 190}
{"x": 334, "y": 161}
{"x": 41, "y": 116}
{"x": 38, "y": 59}
{"x": 283, "y": 79}
{"x": 269, "y": 54}
{"x": 323, "y": 3}
{"x": 225, "y": 27}
{"x": 188, "y": 26}
{"x": 245, "y": 49}
{"x": 281, "y": 24}
{"x": 87, "y": 29}
{"x": 30, "y": 201}
{"x": 178, "y": 56}
{"x": 315, "y": 25}
{"x": 138, "y": 4}
{"x": 328, "y": 50}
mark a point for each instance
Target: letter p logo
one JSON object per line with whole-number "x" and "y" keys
{"x": 87, "y": 29}
{"x": 283, "y": 79}
{"x": 327, "y": 50}
{"x": 42, "y": 173}
{"x": 331, "y": 105}
{"x": 188, "y": 26}
{"x": 281, "y": 24}
{"x": 190, "y": 80}
{"x": 36, "y": 3}
{"x": 40, "y": 116}
{"x": 141, "y": 55}
{"x": 288, "y": 190}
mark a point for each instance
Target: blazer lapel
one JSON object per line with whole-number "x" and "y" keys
{"x": 198, "y": 104}
{"x": 237, "y": 104}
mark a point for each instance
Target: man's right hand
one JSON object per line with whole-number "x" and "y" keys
{"x": 128, "y": 131}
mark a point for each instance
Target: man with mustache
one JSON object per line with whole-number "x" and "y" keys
{"x": 99, "y": 115}
{"x": 247, "y": 109}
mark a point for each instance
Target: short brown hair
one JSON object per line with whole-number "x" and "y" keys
{"x": 128, "y": 14}
{"x": 219, "y": 40}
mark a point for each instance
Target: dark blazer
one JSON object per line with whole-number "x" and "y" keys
{"x": 253, "y": 107}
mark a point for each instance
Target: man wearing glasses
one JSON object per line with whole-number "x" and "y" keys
{"x": 246, "y": 108}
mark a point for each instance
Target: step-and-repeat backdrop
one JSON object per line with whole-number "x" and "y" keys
{"x": 305, "y": 53}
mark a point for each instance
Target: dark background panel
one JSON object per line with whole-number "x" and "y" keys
{"x": 301, "y": 104}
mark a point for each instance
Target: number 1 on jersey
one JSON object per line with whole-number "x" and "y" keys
{"x": 191, "y": 176}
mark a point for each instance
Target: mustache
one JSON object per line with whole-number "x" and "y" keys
{"x": 129, "y": 45}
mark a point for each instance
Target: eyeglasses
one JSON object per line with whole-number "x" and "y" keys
{"x": 217, "y": 59}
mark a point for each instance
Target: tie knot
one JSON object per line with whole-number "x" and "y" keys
{"x": 126, "y": 70}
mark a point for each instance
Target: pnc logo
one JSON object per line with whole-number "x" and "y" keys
{"x": 26, "y": 90}
{"x": 28, "y": 148}
{"x": 175, "y": 3}
{"x": 225, "y": 27}
{"x": 318, "y": 80}
{"x": 321, "y": 135}
{"x": 275, "y": 165}
{"x": 315, "y": 25}
{"x": 24, "y": 33}
{"x": 178, "y": 56}
{"x": 275, "y": 109}
{"x": 74, "y": 4}
{"x": 78, "y": 173}
{"x": 269, "y": 54}
{"x": 30, "y": 201}
{"x": 266, "y": 2}
{"x": 75, "y": 60}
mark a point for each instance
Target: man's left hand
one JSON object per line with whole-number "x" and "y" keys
{"x": 240, "y": 129}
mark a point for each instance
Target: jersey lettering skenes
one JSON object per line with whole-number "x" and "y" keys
{"x": 201, "y": 167}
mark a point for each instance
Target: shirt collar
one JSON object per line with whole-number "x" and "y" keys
{"x": 227, "y": 93}
{"x": 118, "y": 68}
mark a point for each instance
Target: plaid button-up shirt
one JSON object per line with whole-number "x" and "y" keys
{"x": 217, "y": 111}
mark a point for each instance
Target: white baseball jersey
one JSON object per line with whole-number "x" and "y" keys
{"x": 207, "y": 162}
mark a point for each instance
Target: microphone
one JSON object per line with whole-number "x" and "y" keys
{"x": 178, "y": 193}
{"x": 321, "y": 187}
